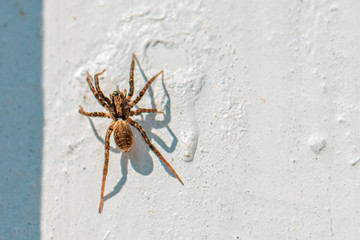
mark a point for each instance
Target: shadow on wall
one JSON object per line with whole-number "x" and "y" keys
{"x": 21, "y": 118}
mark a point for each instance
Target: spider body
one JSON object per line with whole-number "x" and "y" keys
{"x": 123, "y": 135}
{"x": 119, "y": 111}
{"x": 119, "y": 107}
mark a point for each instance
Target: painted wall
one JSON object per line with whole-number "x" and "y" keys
{"x": 21, "y": 119}
{"x": 261, "y": 123}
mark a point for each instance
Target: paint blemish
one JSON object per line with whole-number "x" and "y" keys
{"x": 190, "y": 140}
{"x": 354, "y": 162}
{"x": 316, "y": 143}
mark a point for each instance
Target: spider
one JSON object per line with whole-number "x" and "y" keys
{"x": 119, "y": 110}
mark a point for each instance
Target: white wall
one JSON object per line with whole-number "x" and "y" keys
{"x": 262, "y": 120}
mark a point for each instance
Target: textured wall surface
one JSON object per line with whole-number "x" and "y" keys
{"x": 262, "y": 120}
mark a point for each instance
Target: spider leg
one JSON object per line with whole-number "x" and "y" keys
{"x": 106, "y": 164}
{"x": 93, "y": 114}
{"x": 97, "y": 85}
{"x": 147, "y": 85}
{"x": 144, "y": 135}
{"x": 141, "y": 110}
{"x": 131, "y": 80}
{"x": 96, "y": 94}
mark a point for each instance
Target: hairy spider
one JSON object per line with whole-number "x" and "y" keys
{"x": 119, "y": 110}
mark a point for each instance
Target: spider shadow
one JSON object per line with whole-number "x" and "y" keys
{"x": 150, "y": 122}
{"x": 139, "y": 154}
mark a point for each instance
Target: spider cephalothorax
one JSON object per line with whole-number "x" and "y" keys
{"x": 120, "y": 106}
{"x": 119, "y": 110}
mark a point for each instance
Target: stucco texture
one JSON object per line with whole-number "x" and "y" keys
{"x": 261, "y": 103}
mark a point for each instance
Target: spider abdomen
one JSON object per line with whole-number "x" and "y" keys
{"x": 123, "y": 135}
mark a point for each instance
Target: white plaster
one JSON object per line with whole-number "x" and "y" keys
{"x": 247, "y": 84}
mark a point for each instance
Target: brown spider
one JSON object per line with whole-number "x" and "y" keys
{"x": 119, "y": 109}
